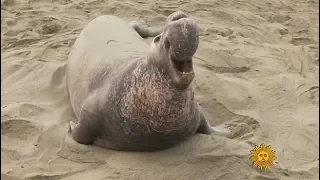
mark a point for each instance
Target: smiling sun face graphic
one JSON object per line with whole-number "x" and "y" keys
{"x": 262, "y": 156}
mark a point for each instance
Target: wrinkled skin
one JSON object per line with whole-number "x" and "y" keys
{"x": 129, "y": 96}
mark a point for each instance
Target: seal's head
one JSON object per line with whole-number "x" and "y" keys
{"x": 174, "y": 48}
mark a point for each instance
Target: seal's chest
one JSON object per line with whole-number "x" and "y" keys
{"x": 152, "y": 111}
{"x": 151, "y": 103}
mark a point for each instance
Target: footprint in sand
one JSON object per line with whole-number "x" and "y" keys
{"x": 19, "y": 129}
{"x": 302, "y": 41}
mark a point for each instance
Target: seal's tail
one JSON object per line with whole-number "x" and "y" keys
{"x": 144, "y": 31}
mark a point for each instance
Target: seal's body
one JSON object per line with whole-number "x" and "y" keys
{"x": 128, "y": 95}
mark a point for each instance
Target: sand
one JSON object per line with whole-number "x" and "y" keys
{"x": 257, "y": 69}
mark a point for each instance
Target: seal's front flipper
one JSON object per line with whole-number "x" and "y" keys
{"x": 82, "y": 132}
{"x": 205, "y": 128}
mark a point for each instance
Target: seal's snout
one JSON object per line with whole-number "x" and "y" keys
{"x": 180, "y": 40}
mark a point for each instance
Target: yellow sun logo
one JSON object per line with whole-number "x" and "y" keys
{"x": 262, "y": 156}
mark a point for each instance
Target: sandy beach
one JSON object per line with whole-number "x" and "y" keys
{"x": 257, "y": 69}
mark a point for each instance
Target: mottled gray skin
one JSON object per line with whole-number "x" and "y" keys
{"x": 127, "y": 95}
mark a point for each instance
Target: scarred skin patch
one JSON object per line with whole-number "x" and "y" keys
{"x": 153, "y": 103}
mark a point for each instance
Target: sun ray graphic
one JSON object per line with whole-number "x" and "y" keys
{"x": 262, "y": 156}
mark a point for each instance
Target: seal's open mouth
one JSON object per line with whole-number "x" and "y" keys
{"x": 183, "y": 67}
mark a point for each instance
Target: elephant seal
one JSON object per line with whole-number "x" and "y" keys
{"x": 130, "y": 96}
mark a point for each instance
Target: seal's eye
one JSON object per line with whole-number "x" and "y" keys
{"x": 166, "y": 44}
{"x": 157, "y": 39}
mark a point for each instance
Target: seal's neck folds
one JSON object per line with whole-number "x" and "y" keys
{"x": 149, "y": 92}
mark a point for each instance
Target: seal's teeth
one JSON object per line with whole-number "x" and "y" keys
{"x": 183, "y": 67}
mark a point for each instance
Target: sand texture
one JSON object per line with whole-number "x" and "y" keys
{"x": 257, "y": 69}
